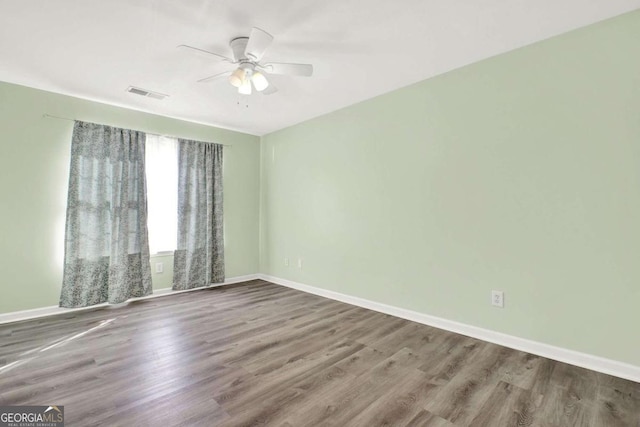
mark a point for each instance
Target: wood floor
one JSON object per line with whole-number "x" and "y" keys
{"x": 262, "y": 354}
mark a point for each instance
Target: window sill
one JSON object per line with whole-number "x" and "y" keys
{"x": 162, "y": 254}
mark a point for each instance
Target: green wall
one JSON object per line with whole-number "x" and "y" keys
{"x": 34, "y": 172}
{"x": 165, "y": 279}
{"x": 519, "y": 173}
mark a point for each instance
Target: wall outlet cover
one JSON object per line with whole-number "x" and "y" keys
{"x": 497, "y": 299}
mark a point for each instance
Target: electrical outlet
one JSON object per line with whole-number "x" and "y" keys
{"x": 159, "y": 267}
{"x": 299, "y": 263}
{"x": 286, "y": 262}
{"x": 497, "y": 299}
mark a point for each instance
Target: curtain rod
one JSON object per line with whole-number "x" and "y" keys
{"x": 51, "y": 116}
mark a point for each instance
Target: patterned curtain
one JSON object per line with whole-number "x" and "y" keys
{"x": 106, "y": 244}
{"x": 199, "y": 258}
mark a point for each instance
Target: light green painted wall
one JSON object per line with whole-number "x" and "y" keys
{"x": 519, "y": 173}
{"x": 34, "y": 168}
{"x": 165, "y": 279}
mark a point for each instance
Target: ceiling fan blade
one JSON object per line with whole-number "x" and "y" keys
{"x": 271, "y": 89}
{"x": 215, "y": 77}
{"x": 259, "y": 41}
{"x": 305, "y": 70}
{"x": 202, "y": 51}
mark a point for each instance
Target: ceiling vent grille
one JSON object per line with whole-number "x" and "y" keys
{"x": 147, "y": 93}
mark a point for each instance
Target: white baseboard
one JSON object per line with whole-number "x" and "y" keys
{"x": 588, "y": 361}
{"x": 52, "y": 310}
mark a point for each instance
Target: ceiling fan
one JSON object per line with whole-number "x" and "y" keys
{"x": 250, "y": 72}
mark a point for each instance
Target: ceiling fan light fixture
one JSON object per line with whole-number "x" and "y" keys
{"x": 245, "y": 87}
{"x": 251, "y": 74}
{"x": 260, "y": 82}
{"x": 237, "y": 78}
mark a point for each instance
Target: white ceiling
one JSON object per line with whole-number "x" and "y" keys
{"x": 95, "y": 49}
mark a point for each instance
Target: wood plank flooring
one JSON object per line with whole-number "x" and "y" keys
{"x": 261, "y": 354}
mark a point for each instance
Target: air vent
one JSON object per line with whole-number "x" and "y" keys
{"x": 147, "y": 93}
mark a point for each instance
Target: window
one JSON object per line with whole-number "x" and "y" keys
{"x": 162, "y": 192}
